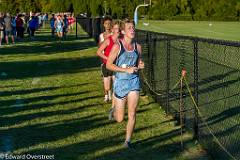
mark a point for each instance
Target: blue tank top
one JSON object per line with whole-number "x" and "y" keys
{"x": 52, "y": 20}
{"x": 59, "y": 24}
{"x": 127, "y": 59}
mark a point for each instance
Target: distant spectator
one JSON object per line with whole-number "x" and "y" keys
{"x": 72, "y": 22}
{"x": 52, "y": 22}
{"x": 2, "y": 26}
{"x": 20, "y": 27}
{"x": 40, "y": 18}
{"x": 33, "y": 23}
{"x": 69, "y": 23}
{"x": 14, "y": 31}
{"x": 45, "y": 18}
{"x": 8, "y": 28}
{"x": 65, "y": 28}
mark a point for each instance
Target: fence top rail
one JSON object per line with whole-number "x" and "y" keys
{"x": 168, "y": 36}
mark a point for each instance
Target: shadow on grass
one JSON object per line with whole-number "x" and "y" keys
{"x": 6, "y": 121}
{"x": 151, "y": 148}
{"x": 25, "y": 69}
{"x": 30, "y": 69}
{"x": 227, "y": 138}
{"x": 75, "y": 148}
{"x": 7, "y": 86}
{"x": 68, "y": 128}
{"x": 35, "y": 90}
{"x": 50, "y": 47}
{"x": 53, "y": 131}
{"x": 231, "y": 112}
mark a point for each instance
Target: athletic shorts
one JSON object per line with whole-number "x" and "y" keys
{"x": 121, "y": 87}
{"x": 65, "y": 30}
{"x": 14, "y": 31}
{"x": 7, "y": 33}
{"x": 106, "y": 72}
{"x": 58, "y": 29}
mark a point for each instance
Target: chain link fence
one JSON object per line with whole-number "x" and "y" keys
{"x": 93, "y": 27}
{"x": 213, "y": 76}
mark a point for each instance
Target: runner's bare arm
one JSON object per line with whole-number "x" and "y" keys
{"x": 100, "y": 40}
{"x": 101, "y": 49}
{"x": 140, "y": 61}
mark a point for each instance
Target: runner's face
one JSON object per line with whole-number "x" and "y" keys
{"x": 107, "y": 25}
{"x": 130, "y": 30}
{"x": 116, "y": 29}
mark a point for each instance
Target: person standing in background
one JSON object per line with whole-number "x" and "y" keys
{"x": 65, "y": 27}
{"x": 13, "y": 23}
{"x": 2, "y": 26}
{"x": 8, "y": 28}
{"x": 19, "y": 27}
{"x": 52, "y": 22}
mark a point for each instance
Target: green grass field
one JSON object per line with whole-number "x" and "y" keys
{"x": 204, "y": 29}
{"x": 52, "y": 103}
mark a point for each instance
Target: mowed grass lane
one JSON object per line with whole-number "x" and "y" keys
{"x": 204, "y": 29}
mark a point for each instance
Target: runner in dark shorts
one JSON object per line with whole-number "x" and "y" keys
{"x": 125, "y": 60}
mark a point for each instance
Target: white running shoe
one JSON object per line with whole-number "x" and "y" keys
{"x": 109, "y": 95}
{"x": 106, "y": 98}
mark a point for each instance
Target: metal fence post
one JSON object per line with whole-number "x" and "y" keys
{"x": 149, "y": 55}
{"x": 195, "y": 47}
{"x": 76, "y": 28}
{"x": 168, "y": 74}
{"x": 90, "y": 31}
{"x": 152, "y": 64}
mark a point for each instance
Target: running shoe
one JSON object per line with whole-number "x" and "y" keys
{"x": 128, "y": 145}
{"x": 106, "y": 98}
{"x": 110, "y": 115}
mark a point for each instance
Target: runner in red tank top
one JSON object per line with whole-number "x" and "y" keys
{"x": 103, "y": 52}
{"x": 107, "y": 50}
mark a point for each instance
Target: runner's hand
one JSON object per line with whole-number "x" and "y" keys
{"x": 141, "y": 64}
{"x": 131, "y": 70}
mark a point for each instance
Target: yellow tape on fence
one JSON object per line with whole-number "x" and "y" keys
{"x": 151, "y": 89}
{"x": 205, "y": 123}
{"x": 195, "y": 105}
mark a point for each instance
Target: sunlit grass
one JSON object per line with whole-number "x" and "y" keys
{"x": 204, "y": 29}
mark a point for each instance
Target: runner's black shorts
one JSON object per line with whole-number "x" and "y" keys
{"x": 106, "y": 72}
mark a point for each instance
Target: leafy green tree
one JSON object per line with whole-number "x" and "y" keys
{"x": 160, "y": 9}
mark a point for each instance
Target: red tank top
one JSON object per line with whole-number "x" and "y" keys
{"x": 108, "y": 49}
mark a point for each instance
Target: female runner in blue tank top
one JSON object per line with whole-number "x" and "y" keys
{"x": 125, "y": 60}
{"x": 58, "y": 24}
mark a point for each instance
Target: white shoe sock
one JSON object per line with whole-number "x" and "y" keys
{"x": 106, "y": 98}
{"x": 109, "y": 95}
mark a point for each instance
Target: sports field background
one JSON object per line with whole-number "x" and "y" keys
{"x": 205, "y": 29}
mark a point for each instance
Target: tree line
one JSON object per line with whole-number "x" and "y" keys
{"x": 160, "y": 9}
